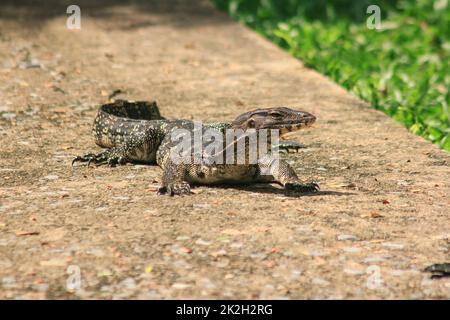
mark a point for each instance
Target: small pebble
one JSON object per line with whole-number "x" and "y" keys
{"x": 41, "y": 287}
{"x": 295, "y": 274}
{"x": 8, "y": 115}
{"x": 317, "y": 253}
{"x": 182, "y": 238}
{"x": 180, "y": 286}
{"x": 96, "y": 252}
{"x": 223, "y": 263}
{"x": 258, "y": 255}
{"x": 219, "y": 253}
{"x": 128, "y": 283}
{"x": 343, "y": 237}
{"x": 236, "y": 245}
{"x": 121, "y": 198}
{"x": 202, "y": 242}
{"x": 152, "y": 294}
{"x": 33, "y": 63}
{"x": 288, "y": 253}
{"x": 397, "y": 273}
{"x": 320, "y": 282}
{"x": 303, "y": 229}
{"x": 351, "y": 249}
{"x": 353, "y": 272}
{"x": 105, "y": 289}
{"x": 8, "y": 282}
{"x": 201, "y": 205}
{"x": 228, "y": 276}
{"x": 392, "y": 245}
{"x": 51, "y": 177}
{"x": 206, "y": 283}
{"x": 374, "y": 259}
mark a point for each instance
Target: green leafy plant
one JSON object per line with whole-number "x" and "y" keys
{"x": 402, "y": 69}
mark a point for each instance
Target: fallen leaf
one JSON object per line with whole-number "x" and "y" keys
{"x": 149, "y": 268}
{"x": 377, "y": 240}
{"x": 26, "y": 233}
{"x": 185, "y": 250}
{"x": 61, "y": 110}
{"x": 104, "y": 273}
{"x": 189, "y": 46}
{"x": 376, "y": 215}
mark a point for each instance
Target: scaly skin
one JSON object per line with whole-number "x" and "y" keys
{"x": 136, "y": 132}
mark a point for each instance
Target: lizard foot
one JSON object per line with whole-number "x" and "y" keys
{"x": 302, "y": 187}
{"x": 102, "y": 158}
{"x": 439, "y": 270}
{"x": 175, "y": 189}
{"x": 289, "y": 146}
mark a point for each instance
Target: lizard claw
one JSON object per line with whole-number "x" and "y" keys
{"x": 100, "y": 159}
{"x": 289, "y": 147}
{"x": 175, "y": 189}
{"x": 302, "y": 187}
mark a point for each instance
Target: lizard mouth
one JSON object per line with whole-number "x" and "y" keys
{"x": 291, "y": 127}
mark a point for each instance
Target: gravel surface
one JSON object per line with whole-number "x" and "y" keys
{"x": 381, "y": 218}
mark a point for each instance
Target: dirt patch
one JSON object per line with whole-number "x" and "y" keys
{"x": 381, "y": 218}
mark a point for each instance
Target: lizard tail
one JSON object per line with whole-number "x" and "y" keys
{"x": 113, "y": 118}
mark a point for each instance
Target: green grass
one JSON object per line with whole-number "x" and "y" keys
{"x": 402, "y": 69}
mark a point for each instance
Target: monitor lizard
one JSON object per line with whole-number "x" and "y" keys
{"x": 136, "y": 132}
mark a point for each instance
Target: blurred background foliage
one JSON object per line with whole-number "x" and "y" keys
{"x": 402, "y": 69}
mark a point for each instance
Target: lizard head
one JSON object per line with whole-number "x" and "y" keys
{"x": 284, "y": 119}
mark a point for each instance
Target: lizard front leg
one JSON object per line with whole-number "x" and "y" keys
{"x": 173, "y": 180}
{"x": 281, "y": 172}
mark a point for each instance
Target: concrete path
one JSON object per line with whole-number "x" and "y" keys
{"x": 382, "y": 217}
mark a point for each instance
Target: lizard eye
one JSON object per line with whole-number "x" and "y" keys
{"x": 276, "y": 115}
{"x": 251, "y": 123}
